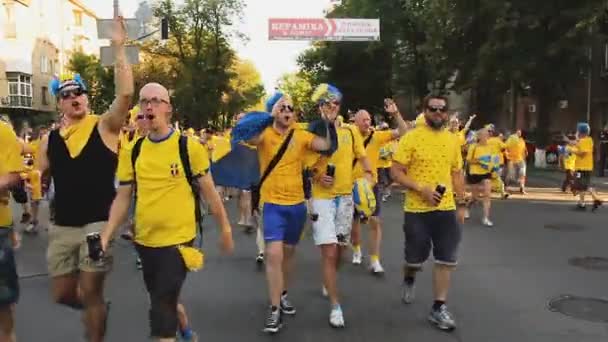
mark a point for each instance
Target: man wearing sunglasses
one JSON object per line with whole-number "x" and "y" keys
{"x": 428, "y": 162}
{"x": 373, "y": 141}
{"x": 82, "y": 157}
{"x": 282, "y": 198}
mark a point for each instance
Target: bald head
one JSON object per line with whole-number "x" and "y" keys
{"x": 363, "y": 121}
{"x": 154, "y": 90}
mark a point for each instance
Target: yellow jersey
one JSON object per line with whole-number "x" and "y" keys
{"x": 10, "y": 162}
{"x": 164, "y": 212}
{"x": 430, "y": 157}
{"x": 350, "y": 147}
{"x": 372, "y": 150}
{"x": 516, "y": 148}
{"x": 483, "y": 155}
{"x": 499, "y": 147}
{"x": 284, "y": 184}
{"x": 584, "y": 162}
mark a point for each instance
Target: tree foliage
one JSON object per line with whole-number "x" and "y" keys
{"x": 299, "y": 87}
{"x": 480, "y": 45}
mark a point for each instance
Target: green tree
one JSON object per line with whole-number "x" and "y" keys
{"x": 299, "y": 87}
{"x": 245, "y": 90}
{"x": 99, "y": 80}
{"x": 200, "y": 31}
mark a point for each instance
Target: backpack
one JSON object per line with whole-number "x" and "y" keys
{"x": 193, "y": 182}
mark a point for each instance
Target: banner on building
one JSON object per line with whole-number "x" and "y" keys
{"x": 324, "y": 29}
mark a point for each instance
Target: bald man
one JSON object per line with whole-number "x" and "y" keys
{"x": 373, "y": 141}
{"x": 165, "y": 209}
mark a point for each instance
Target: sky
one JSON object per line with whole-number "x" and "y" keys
{"x": 272, "y": 58}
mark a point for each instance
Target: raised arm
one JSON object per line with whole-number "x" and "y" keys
{"x": 114, "y": 119}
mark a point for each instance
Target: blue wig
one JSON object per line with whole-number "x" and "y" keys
{"x": 276, "y": 97}
{"x": 326, "y": 93}
{"x": 583, "y": 128}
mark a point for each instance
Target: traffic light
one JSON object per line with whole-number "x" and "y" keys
{"x": 164, "y": 29}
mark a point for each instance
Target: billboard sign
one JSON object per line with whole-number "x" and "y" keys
{"x": 324, "y": 29}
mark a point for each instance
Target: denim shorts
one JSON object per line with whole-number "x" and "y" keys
{"x": 9, "y": 280}
{"x": 438, "y": 231}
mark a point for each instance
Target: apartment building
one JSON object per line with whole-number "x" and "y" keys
{"x": 37, "y": 38}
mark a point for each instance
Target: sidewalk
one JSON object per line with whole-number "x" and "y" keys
{"x": 554, "y": 178}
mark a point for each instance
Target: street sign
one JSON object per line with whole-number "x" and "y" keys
{"x": 104, "y": 28}
{"x": 106, "y": 54}
{"x": 324, "y": 29}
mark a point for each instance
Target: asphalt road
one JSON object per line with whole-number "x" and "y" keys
{"x": 506, "y": 277}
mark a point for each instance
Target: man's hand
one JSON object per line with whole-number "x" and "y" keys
{"x": 105, "y": 239}
{"x": 226, "y": 242}
{"x": 430, "y": 196}
{"x": 119, "y": 32}
{"x": 326, "y": 181}
{"x": 391, "y": 107}
{"x": 370, "y": 177}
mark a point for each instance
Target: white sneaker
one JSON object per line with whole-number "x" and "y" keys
{"x": 336, "y": 319}
{"x": 357, "y": 258}
{"x": 376, "y": 268}
{"x": 467, "y": 214}
{"x": 486, "y": 222}
{"x": 324, "y": 292}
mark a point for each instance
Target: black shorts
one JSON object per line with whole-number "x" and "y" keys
{"x": 164, "y": 274}
{"x": 436, "y": 230}
{"x": 476, "y": 179}
{"x": 9, "y": 280}
{"x": 582, "y": 180}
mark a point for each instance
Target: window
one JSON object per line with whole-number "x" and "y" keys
{"x": 44, "y": 65}
{"x": 10, "y": 27}
{"x": 20, "y": 90}
{"x": 78, "y": 18}
{"x": 45, "y": 96}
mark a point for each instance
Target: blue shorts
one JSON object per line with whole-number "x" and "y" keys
{"x": 283, "y": 222}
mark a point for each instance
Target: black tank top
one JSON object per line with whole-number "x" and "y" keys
{"x": 84, "y": 186}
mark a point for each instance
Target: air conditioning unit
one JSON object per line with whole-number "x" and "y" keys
{"x": 5, "y": 101}
{"x": 532, "y": 108}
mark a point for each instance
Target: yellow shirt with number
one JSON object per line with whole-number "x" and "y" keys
{"x": 284, "y": 184}
{"x": 584, "y": 162}
{"x": 430, "y": 157}
{"x": 516, "y": 148}
{"x": 480, "y": 159}
{"x": 164, "y": 212}
{"x": 372, "y": 150}
{"x": 499, "y": 147}
{"x": 10, "y": 162}
{"x": 350, "y": 147}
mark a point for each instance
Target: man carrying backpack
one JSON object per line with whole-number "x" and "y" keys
{"x": 166, "y": 171}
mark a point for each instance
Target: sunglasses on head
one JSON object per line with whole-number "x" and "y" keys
{"x": 65, "y": 94}
{"x": 286, "y": 109}
{"x": 437, "y": 109}
{"x": 144, "y": 116}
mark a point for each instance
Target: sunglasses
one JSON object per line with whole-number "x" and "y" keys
{"x": 143, "y": 116}
{"x": 68, "y": 93}
{"x": 436, "y": 109}
{"x": 286, "y": 109}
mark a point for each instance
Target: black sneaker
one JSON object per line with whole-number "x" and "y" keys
{"x": 596, "y": 205}
{"x": 273, "y": 322}
{"x": 286, "y": 307}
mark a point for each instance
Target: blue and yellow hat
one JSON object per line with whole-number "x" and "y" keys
{"x": 66, "y": 82}
{"x": 326, "y": 93}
